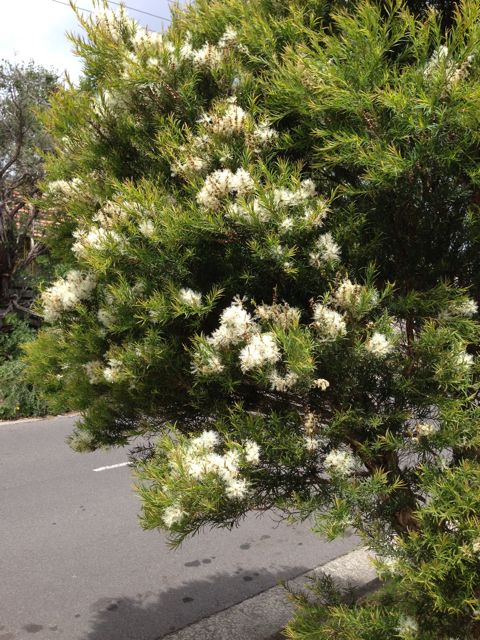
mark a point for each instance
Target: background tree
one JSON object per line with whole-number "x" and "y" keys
{"x": 275, "y": 227}
{"x": 24, "y": 93}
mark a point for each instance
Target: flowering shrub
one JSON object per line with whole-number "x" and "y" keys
{"x": 274, "y": 213}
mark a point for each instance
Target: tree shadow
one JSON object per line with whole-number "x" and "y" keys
{"x": 152, "y": 615}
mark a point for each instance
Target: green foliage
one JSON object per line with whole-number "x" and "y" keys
{"x": 18, "y": 398}
{"x": 271, "y": 214}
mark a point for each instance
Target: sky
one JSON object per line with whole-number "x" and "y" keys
{"x": 35, "y": 30}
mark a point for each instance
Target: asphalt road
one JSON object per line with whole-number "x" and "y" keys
{"x": 75, "y": 565}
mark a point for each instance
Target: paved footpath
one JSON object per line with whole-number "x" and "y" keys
{"x": 75, "y": 565}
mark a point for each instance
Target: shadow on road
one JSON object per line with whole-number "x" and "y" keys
{"x": 150, "y": 615}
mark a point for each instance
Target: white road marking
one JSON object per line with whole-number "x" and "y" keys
{"x": 113, "y": 466}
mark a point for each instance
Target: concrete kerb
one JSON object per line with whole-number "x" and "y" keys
{"x": 72, "y": 414}
{"x": 263, "y": 616}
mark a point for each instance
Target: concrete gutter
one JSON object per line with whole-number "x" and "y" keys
{"x": 263, "y": 616}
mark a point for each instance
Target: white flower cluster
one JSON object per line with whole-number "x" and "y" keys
{"x": 407, "y": 627}
{"x": 254, "y": 211}
{"x": 222, "y": 182}
{"x": 236, "y": 324}
{"x": 466, "y": 308}
{"x": 192, "y": 164}
{"x": 66, "y": 293}
{"x": 261, "y": 349}
{"x": 65, "y": 188}
{"x": 283, "y": 315}
{"x": 146, "y": 38}
{"x": 111, "y": 212}
{"x": 200, "y": 460}
{"x": 172, "y": 515}
{"x": 331, "y": 324}
{"x": 94, "y": 371}
{"x": 282, "y": 383}
{"x": 287, "y": 198}
{"x": 206, "y": 361}
{"x": 229, "y": 123}
{"x": 264, "y": 135}
{"x": 426, "y": 429}
{"x": 189, "y": 297}
{"x": 209, "y": 55}
{"x": 112, "y": 21}
{"x": 326, "y": 251}
{"x": 476, "y": 546}
{"x": 112, "y": 371}
{"x": 96, "y": 238}
{"x": 348, "y": 294}
{"x": 453, "y": 73}
{"x": 463, "y": 360}
{"x": 340, "y": 462}
{"x": 106, "y": 317}
{"x": 378, "y": 345}
{"x": 228, "y": 39}
{"x": 147, "y": 228}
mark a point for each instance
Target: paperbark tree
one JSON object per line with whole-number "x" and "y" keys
{"x": 24, "y": 92}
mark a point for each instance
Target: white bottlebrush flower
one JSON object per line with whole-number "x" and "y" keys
{"x": 378, "y": 345}
{"x": 65, "y": 188}
{"x": 261, "y": 349}
{"x": 235, "y": 325}
{"x": 252, "y": 452}
{"x": 106, "y": 317}
{"x": 311, "y": 443}
{"x": 189, "y": 297}
{"x": 426, "y": 429}
{"x": 282, "y": 383}
{"x": 231, "y": 122}
{"x": 348, "y": 294}
{"x": 407, "y": 627}
{"x": 66, "y": 293}
{"x": 237, "y": 489}
{"x": 321, "y": 383}
{"x": 228, "y": 39}
{"x": 208, "y": 56}
{"x": 264, "y": 135}
{"x": 206, "y": 440}
{"x": 315, "y": 215}
{"x": 476, "y": 546}
{"x": 217, "y": 185}
{"x": 206, "y": 362}
{"x": 96, "y": 238}
{"x": 172, "y": 515}
{"x": 192, "y": 164}
{"x": 466, "y": 308}
{"x": 111, "y": 373}
{"x": 452, "y": 73}
{"x": 329, "y": 323}
{"x": 147, "y": 228}
{"x": 253, "y": 212}
{"x": 340, "y": 462}
{"x": 283, "y": 197}
{"x": 286, "y": 225}
{"x": 437, "y": 59}
{"x": 242, "y": 182}
{"x": 93, "y": 371}
{"x": 464, "y": 360}
{"x": 222, "y": 182}
{"x": 326, "y": 251}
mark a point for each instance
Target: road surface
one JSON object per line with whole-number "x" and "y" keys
{"x": 75, "y": 565}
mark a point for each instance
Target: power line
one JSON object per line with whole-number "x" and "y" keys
{"x": 119, "y": 4}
